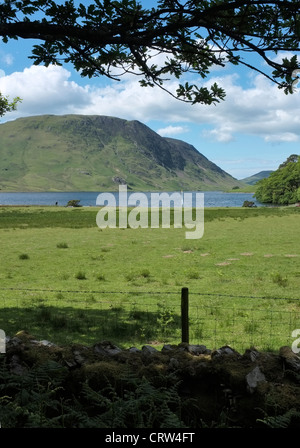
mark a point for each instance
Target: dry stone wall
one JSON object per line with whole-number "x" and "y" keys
{"x": 224, "y": 386}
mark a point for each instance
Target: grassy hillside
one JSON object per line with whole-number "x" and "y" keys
{"x": 96, "y": 153}
{"x": 251, "y": 180}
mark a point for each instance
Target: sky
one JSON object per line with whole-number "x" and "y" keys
{"x": 255, "y": 129}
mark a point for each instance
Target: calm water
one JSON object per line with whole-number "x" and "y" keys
{"x": 211, "y": 198}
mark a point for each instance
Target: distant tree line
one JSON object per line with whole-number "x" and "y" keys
{"x": 282, "y": 187}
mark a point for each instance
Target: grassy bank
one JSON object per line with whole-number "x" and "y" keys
{"x": 64, "y": 279}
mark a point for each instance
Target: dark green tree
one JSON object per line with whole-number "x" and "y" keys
{"x": 292, "y": 158}
{"x": 112, "y": 38}
{"x": 283, "y": 185}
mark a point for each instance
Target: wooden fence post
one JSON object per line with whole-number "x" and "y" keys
{"x": 185, "y": 315}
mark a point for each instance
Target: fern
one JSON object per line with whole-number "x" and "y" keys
{"x": 294, "y": 375}
{"x": 137, "y": 404}
{"x": 30, "y": 399}
{"x": 281, "y": 421}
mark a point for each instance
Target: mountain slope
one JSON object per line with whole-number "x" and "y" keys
{"x": 251, "y": 180}
{"x": 97, "y": 153}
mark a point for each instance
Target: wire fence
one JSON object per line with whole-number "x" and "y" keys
{"x": 136, "y": 318}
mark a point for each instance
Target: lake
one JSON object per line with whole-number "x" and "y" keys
{"x": 211, "y": 198}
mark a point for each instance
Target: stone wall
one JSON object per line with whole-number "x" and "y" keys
{"x": 225, "y": 387}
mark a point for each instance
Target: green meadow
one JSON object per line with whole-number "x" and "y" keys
{"x": 65, "y": 280}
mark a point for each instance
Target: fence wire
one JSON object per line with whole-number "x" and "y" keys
{"x": 136, "y": 318}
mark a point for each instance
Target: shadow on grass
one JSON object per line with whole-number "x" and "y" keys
{"x": 120, "y": 325}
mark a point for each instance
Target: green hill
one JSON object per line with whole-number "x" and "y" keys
{"x": 97, "y": 153}
{"x": 251, "y": 180}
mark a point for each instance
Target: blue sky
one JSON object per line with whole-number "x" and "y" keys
{"x": 256, "y": 128}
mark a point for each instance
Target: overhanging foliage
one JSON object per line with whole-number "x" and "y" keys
{"x": 6, "y": 105}
{"x": 175, "y": 38}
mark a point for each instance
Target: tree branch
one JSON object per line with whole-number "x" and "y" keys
{"x": 119, "y": 33}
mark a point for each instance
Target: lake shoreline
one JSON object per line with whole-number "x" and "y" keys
{"x": 211, "y": 198}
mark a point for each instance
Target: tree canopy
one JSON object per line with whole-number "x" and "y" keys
{"x": 283, "y": 185}
{"x": 173, "y": 39}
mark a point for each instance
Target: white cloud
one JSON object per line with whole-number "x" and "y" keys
{"x": 8, "y": 59}
{"x": 223, "y": 134}
{"x": 172, "y": 130}
{"x": 49, "y": 90}
{"x": 284, "y": 137}
{"x": 260, "y": 109}
{"x": 280, "y": 56}
{"x": 44, "y": 90}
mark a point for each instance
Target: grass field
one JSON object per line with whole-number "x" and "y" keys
{"x": 64, "y": 279}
